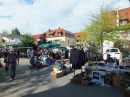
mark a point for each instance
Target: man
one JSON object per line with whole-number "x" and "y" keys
{"x": 12, "y": 60}
{"x": 18, "y": 53}
{"x": 5, "y": 59}
{"x": 109, "y": 59}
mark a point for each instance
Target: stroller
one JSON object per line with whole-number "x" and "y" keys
{"x": 34, "y": 65}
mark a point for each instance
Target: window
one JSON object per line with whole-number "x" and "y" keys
{"x": 72, "y": 42}
{"x": 68, "y": 41}
{"x": 123, "y": 22}
{"x": 59, "y": 34}
{"x": 112, "y": 50}
{"x": 107, "y": 50}
{"x": 50, "y": 35}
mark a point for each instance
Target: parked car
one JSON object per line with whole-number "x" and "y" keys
{"x": 114, "y": 53}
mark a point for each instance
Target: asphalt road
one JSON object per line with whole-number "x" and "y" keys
{"x": 39, "y": 83}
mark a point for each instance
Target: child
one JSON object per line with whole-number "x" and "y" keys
{"x": 35, "y": 59}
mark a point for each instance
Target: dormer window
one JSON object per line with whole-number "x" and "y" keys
{"x": 59, "y": 34}
{"x": 123, "y": 22}
{"x": 50, "y": 35}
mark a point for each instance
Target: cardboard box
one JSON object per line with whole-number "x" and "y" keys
{"x": 55, "y": 68}
{"x": 116, "y": 81}
{"x": 76, "y": 80}
{"x": 56, "y": 75}
{"x": 84, "y": 82}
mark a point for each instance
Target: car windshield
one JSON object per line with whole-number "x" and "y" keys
{"x": 112, "y": 50}
{"x": 107, "y": 50}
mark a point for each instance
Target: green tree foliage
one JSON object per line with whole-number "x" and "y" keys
{"x": 27, "y": 40}
{"x": 83, "y": 37}
{"x": 15, "y": 32}
{"x": 5, "y": 33}
{"x": 102, "y": 26}
{"x": 124, "y": 46}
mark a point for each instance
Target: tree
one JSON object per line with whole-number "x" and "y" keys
{"x": 15, "y": 32}
{"x": 83, "y": 37}
{"x": 103, "y": 26}
{"x": 124, "y": 46}
{"x": 5, "y": 33}
{"x": 27, "y": 40}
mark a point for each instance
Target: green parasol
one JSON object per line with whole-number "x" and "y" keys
{"x": 54, "y": 45}
{"x": 44, "y": 46}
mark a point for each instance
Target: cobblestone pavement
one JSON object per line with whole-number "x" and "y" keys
{"x": 39, "y": 83}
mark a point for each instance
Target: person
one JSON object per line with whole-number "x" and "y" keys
{"x": 28, "y": 53}
{"x": 32, "y": 53}
{"x": 12, "y": 60}
{"x": 18, "y": 53}
{"x": 35, "y": 59}
{"x": 5, "y": 60}
{"x": 109, "y": 59}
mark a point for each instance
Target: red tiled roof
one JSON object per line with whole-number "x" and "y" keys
{"x": 124, "y": 14}
{"x": 55, "y": 32}
{"x": 37, "y": 36}
{"x": 77, "y": 34}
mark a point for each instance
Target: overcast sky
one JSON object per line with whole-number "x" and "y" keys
{"x": 37, "y": 16}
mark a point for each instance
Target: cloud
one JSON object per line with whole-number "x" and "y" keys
{"x": 37, "y": 16}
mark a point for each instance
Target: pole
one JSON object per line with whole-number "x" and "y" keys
{"x": 102, "y": 42}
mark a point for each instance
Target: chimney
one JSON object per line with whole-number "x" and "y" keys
{"x": 59, "y": 27}
{"x": 49, "y": 30}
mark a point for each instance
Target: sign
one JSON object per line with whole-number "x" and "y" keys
{"x": 96, "y": 75}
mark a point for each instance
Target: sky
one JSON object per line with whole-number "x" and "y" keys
{"x": 37, "y": 16}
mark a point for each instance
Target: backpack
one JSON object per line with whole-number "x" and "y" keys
{"x": 12, "y": 60}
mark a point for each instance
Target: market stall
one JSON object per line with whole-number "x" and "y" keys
{"x": 106, "y": 75}
{"x": 61, "y": 68}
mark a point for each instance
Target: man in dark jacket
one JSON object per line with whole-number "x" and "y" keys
{"x": 109, "y": 59}
{"x": 12, "y": 60}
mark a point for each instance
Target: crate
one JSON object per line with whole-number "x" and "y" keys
{"x": 76, "y": 80}
{"x": 84, "y": 82}
{"x": 56, "y": 75}
{"x": 116, "y": 81}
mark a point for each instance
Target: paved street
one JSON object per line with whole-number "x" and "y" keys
{"x": 39, "y": 83}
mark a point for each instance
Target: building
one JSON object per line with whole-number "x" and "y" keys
{"x": 6, "y": 39}
{"x": 121, "y": 18}
{"x": 79, "y": 41}
{"x": 14, "y": 39}
{"x": 37, "y": 38}
{"x": 124, "y": 16}
{"x": 61, "y": 36}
